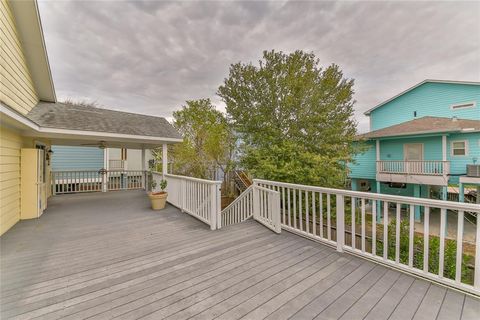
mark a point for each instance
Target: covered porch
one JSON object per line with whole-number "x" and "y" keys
{"x": 105, "y": 255}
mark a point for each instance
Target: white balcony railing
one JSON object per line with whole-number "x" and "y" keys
{"x": 427, "y": 167}
{"x": 117, "y": 164}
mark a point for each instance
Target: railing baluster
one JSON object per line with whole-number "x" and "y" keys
{"x": 411, "y": 235}
{"x": 426, "y": 237}
{"x": 397, "y": 232}
{"x": 307, "y": 213}
{"x": 329, "y": 227}
{"x": 363, "y": 225}
{"x": 352, "y": 199}
{"x": 314, "y": 214}
{"x": 289, "y": 210}
{"x": 300, "y": 218}
{"x": 321, "y": 215}
{"x": 441, "y": 256}
{"x": 458, "y": 264}
{"x": 294, "y": 208}
{"x": 385, "y": 230}
{"x": 374, "y": 227}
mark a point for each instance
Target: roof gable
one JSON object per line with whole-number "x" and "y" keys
{"x": 367, "y": 113}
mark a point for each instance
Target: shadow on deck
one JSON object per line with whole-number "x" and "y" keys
{"x": 108, "y": 255}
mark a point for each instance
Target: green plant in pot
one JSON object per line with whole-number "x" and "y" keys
{"x": 158, "y": 199}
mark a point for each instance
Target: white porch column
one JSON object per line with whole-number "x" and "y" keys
{"x": 144, "y": 169}
{"x": 444, "y": 148}
{"x": 164, "y": 159}
{"x": 106, "y": 167}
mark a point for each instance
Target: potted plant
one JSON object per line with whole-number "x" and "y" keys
{"x": 158, "y": 199}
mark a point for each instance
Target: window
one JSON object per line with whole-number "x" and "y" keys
{"x": 465, "y": 105}
{"x": 459, "y": 148}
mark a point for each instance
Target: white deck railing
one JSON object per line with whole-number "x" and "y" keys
{"x": 266, "y": 207}
{"x": 198, "y": 197}
{"x": 96, "y": 181}
{"x": 117, "y": 164}
{"x": 427, "y": 167}
{"x": 347, "y": 220}
{"x": 239, "y": 210}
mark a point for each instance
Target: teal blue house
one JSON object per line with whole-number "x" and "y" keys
{"x": 422, "y": 142}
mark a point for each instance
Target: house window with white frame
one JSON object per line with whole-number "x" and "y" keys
{"x": 459, "y": 148}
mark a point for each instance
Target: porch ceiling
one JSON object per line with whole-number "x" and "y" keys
{"x": 106, "y": 255}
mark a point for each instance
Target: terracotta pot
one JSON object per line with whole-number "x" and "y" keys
{"x": 158, "y": 200}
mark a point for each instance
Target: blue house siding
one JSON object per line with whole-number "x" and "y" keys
{"x": 429, "y": 99}
{"x": 76, "y": 158}
{"x": 458, "y": 163}
{"x": 364, "y": 163}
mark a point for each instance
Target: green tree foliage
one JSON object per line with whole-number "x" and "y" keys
{"x": 207, "y": 143}
{"x": 295, "y": 118}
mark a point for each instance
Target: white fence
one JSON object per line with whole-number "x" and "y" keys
{"x": 96, "y": 181}
{"x": 199, "y": 198}
{"x": 239, "y": 210}
{"x": 427, "y": 167}
{"x": 382, "y": 228}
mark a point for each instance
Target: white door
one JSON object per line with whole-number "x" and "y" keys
{"x": 413, "y": 153}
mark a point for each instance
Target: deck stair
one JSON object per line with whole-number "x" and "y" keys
{"x": 241, "y": 180}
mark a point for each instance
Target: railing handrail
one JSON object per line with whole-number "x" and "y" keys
{"x": 189, "y": 178}
{"x": 378, "y": 196}
{"x": 237, "y": 199}
{"x": 413, "y": 161}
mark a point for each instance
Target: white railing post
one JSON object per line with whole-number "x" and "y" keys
{"x": 183, "y": 196}
{"x": 256, "y": 201}
{"x": 340, "y": 222}
{"x": 218, "y": 211}
{"x": 104, "y": 180}
{"x": 276, "y": 212}
{"x": 213, "y": 206}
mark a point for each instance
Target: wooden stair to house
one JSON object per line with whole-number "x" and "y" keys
{"x": 241, "y": 180}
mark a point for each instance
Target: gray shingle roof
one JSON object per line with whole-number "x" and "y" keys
{"x": 424, "y": 125}
{"x": 78, "y": 117}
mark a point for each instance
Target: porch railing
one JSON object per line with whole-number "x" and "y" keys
{"x": 382, "y": 228}
{"x": 117, "y": 164}
{"x": 197, "y": 197}
{"x": 427, "y": 167}
{"x": 96, "y": 180}
{"x": 239, "y": 210}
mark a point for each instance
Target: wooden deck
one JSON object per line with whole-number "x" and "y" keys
{"x": 103, "y": 256}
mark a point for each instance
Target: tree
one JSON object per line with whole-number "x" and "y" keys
{"x": 295, "y": 119}
{"x": 207, "y": 144}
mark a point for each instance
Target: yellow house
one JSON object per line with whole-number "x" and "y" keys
{"x": 31, "y": 118}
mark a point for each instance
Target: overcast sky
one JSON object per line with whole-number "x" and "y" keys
{"x": 149, "y": 57}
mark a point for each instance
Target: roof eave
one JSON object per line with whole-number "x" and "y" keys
{"x": 29, "y": 27}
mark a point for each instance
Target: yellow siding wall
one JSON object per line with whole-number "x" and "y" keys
{"x": 16, "y": 86}
{"x": 10, "y": 145}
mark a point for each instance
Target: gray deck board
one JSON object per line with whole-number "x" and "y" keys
{"x": 102, "y": 256}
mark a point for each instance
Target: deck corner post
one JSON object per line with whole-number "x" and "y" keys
{"x": 340, "y": 222}
{"x": 256, "y": 200}
{"x": 213, "y": 206}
